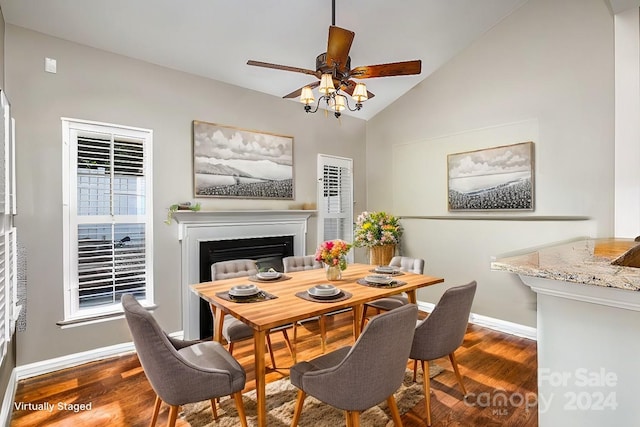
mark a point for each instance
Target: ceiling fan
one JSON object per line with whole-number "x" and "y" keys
{"x": 334, "y": 73}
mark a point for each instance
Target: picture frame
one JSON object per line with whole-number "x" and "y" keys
{"x": 492, "y": 179}
{"x": 231, "y": 162}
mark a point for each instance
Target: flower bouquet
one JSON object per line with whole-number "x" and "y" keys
{"x": 377, "y": 229}
{"x": 333, "y": 254}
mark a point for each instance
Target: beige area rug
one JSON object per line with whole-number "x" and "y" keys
{"x": 281, "y": 398}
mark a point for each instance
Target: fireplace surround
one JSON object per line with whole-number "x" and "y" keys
{"x": 194, "y": 228}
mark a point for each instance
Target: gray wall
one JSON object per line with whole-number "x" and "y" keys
{"x": 95, "y": 85}
{"x": 549, "y": 62}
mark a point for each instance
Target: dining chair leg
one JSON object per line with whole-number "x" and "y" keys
{"x": 395, "y": 413}
{"x": 230, "y": 348}
{"x": 156, "y": 409}
{"x": 173, "y": 415}
{"x": 290, "y": 345}
{"x": 454, "y": 362}
{"x": 273, "y": 358}
{"x": 298, "y": 409}
{"x": 426, "y": 381}
{"x": 214, "y": 410}
{"x": 415, "y": 369}
{"x": 364, "y": 316}
{"x": 355, "y": 418}
{"x": 237, "y": 397}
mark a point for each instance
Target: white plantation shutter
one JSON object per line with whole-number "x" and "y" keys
{"x": 8, "y": 276}
{"x": 12, "y": 277}
{"x": 4, "y": 299}
{"x": 109, "y": 218}
{"x": 335, "y": 199}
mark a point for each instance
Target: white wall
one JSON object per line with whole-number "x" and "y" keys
{"x": 549, "y": 62}
{"x": 95, "y": 85}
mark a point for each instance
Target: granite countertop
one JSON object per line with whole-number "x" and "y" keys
{"x": 585, "y": 261}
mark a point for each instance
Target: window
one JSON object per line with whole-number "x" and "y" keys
{"x": 335, "y": 199}
{"x": 107, "y": 217}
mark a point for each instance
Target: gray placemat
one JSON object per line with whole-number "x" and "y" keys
{"x": 259, "y": 297}
{"x": 342, "y": 296}
{"x": 393, "y": 284}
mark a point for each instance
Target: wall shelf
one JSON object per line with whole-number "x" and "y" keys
{"x": 497, "y": 217}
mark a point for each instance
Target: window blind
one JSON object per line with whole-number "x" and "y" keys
{"x": 335, "y": 204}
{"x": 111, "y": 256}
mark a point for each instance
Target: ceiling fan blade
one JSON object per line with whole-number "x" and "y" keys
{"x": 338, "y": 47}
{"x": 350, "y": 87}
{"x": 405, "y": 68}
{"x": 296, "y": 93}
{"x": 284, "y": 68}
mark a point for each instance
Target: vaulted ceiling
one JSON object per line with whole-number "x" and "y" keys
{"x": 215, "y": 38}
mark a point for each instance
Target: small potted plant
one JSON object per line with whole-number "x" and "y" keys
{"x": 180, "y": 207}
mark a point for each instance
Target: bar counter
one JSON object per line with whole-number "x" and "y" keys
{"x": 588, "y": 331}
{"x": 585, "y": 261}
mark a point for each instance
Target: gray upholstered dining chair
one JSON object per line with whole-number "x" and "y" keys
{"x": 403, "y": 263}
{"x": 234, "y": 330}
{"x": 356, "y": 378}
{"x": 300, "y": 263}
{"x": 441, "y": 333}
{"x": 182, "y": 372}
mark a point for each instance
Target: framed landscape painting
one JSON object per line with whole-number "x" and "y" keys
{"x": 238, "y": 163}
{"x": 492, "y": 179}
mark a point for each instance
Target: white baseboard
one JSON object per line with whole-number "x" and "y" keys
{"x": 492, "y": 323}
{"x": 7, "y": 400}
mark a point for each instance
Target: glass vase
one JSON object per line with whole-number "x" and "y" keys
{"x": 333, "y": 272}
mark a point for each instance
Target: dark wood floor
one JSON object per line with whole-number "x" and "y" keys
{"x": 500, "y": 373}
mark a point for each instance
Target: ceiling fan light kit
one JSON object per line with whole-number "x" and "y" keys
{"x": 333, "y": 70}
{"x": 333, "y": 99}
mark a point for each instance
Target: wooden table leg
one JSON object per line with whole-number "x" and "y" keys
{"x": 260, "y": 368}
{"x": 357, "y": 315}
{"x": 413, "y": 299}
{"x": 218, "y": 321}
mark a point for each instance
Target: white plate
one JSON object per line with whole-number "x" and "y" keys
{"x": 385, "y": 269}
{"x": 323, "y": 291}
{"x": 268, "y": 275}
{"x": 243, "y": 290}
{"x": 379, "y": 279}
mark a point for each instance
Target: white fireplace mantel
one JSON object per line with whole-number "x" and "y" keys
{"x": 196, "y": 227}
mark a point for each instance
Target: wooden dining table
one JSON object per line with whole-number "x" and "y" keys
{"x": 287, "y": 308}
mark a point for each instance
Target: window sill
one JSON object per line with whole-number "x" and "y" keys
{"x": 72, "y": 323}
